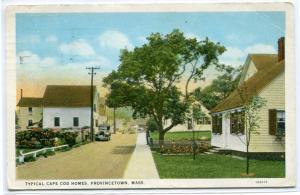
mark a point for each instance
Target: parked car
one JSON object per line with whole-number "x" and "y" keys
{"x": 140, "y": 129}
{"x": 104, "y": 133}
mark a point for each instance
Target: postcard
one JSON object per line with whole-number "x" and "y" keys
{"x": 140, "y": 96}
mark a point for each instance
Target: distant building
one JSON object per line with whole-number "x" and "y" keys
{"x": 30, "y": 112}
{"x": 62, "y": 106}
{"x": 202, "y": 124}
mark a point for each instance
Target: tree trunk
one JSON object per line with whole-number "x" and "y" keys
{"x": 247, "y": 160}
{"x": 161, "y": 139}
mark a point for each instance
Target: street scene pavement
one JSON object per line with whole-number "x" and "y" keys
{"x": 90, "y": 161}
{"x": 141, "y": 164}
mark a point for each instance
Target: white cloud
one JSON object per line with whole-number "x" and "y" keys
{"x": 260, "y": 48}
{"x": 28, "y": 60}
{"x": 79, "y": 47}
{"x": 33, "y": 67}
{"x": 51, "y": 39}
{"x": 235, "y": 56}
{"x": 142, "y": 39}
{"x": 114, "y": 39}
{"x": 191, "y": 35}
{"x": 101, "y": 61}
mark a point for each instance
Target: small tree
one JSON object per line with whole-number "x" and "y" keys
{"x": 252, "y": 103}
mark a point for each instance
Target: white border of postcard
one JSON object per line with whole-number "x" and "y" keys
{"x": 10, "y": 55}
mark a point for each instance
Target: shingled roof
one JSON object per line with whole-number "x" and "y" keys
{"x": 263, "y": 61}
{"x": 30, "y": 102}
{"x": 254, "y": 84}
{"x": 67, "y": 96}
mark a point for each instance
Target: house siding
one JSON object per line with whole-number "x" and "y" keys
{"x": 24, "y": 115}
{"x": 183, "y": 127}
{"x": 66, "y": 117}
{"x": 274, "y": 93}
{"x": 197, "y": 127}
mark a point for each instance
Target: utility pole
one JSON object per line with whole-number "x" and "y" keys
{"x": 92, "y": 73}
{"x": 115, "y": 129}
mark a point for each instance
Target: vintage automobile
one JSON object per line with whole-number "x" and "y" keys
{"x": 104, "y": 133}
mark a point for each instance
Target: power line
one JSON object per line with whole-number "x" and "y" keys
{"x": 92, "y": 73}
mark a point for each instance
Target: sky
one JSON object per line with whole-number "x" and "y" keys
{"x": 55, "y": 48}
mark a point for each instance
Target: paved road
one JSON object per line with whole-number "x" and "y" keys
{"x": 91, "y": 161}
{"x": 141, "y": 164}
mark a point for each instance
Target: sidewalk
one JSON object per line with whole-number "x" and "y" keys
{"x": 141, "y": 164}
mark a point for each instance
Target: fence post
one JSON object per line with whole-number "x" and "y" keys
{"x": 21, "y": 158}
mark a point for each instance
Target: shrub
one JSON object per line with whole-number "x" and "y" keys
{"x": 29, "y": 158}
{"x": 70, "y": 138}
{"x": 49, "y": 153}
{"x": 39, "y": 138}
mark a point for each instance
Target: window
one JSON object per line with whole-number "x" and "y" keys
{"x": 30, "y": 109}
{"x": 237, "y": 122}
{"x": 280, "y": 123}
{"x": 94, "y": 107}
{"x": 217, "y": 124}
{"x": 56, "y": 121}
{"x": 203, "y": 121}
{"x": 96, "y": 123}
{"x": 75, "y": 121}
{"x": 30, "y": 123}
{"x": 207, "y": 120}
{"x": 276, "y": 122}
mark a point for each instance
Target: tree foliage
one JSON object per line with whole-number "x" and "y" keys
{"x": 147, "y": 76}
{"x": 152, "y": 125}
{"x": 220, "y": 87}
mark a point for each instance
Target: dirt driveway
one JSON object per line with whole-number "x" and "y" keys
{"x": 91, "y": 161}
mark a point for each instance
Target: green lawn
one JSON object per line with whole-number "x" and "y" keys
{"x": 214, "y": 166}
{"x": 182, "y": 135}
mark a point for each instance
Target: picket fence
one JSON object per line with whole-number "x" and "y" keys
{"x": 40, "y": 151}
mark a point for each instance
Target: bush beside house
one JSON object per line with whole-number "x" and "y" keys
{"x": 40, "y": 138}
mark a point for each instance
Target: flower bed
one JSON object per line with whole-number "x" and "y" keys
{"x": 180, "y": 147}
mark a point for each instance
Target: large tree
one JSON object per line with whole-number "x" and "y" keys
{"x": 220, "y": 87}
{"x": 147, "y": 77}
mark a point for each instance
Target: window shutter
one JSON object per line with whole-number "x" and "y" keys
{"x": 272, "y": 121}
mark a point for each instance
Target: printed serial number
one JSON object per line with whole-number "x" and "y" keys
{"x": 261, "y": 181}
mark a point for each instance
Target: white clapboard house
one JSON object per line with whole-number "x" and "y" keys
{"x": 263, "y": 74}
{"x": 201, "y": 124}
{"x": 62, "y": 106}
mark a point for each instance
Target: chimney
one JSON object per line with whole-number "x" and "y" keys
{"x": 21, "y": 93}
{"x": 280, "y": 49}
